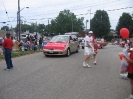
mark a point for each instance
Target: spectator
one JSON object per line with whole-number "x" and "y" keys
{"x": 40, "y": 44}
{"x": 35, "y": 45}
{"x": 7, "y": 44}
{"x": 28, "y": 37}
{"x": 21, "y": 45}
{"x": 35, "y": 36}
{"x": 130, "y": 70}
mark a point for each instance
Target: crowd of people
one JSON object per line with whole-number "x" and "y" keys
{"x": 29, "y": 43}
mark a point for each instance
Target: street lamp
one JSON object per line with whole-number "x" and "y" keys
{"x": 18, "y": 19}
{"x": 90, "y": 16}
{"x": 86, "y": 24}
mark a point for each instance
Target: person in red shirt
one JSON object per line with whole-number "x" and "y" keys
{"x": 7, "y": 44}
{"x": 130, "y": 70}
{"x": 96, "y": 51}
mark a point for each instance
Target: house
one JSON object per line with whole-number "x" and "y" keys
{"x": 3, "y": 33}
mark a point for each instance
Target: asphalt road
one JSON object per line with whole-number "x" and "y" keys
{"x": 38, "y": 77}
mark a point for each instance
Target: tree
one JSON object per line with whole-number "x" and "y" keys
{"x": 40, "y": 28}
{"x": 125, "y": 21}
{"x": 65, "y": 22}
{"x": 100, "y": 24}
{"x": 25, "y": 27}
{"x": 6, "y": 28}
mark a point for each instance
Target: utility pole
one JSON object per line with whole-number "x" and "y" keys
{"x": 90, "y": 18}
{"x": 86, "y": 25}
{"x": 17, "y": 28}
{"x": 19, "y": 18}
{"x": 48, "y": 27}
{"x": 72, "y": 22}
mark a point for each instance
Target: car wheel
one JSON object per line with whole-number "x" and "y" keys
{"x": 68, "y": 52}
{"x": 82, "y": 47}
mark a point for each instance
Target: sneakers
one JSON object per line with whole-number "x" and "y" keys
{"x": 124, "y": 75}
{"x": 94, "y": 63}
{"x": 84, "y": 64}
{"x": 88, "y": 65}
{"x": 6, "y": 69}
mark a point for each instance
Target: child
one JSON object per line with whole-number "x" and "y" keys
{"x": 130, "y": 70}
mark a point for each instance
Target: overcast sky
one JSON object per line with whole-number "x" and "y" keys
{"x": 40, "y": 10}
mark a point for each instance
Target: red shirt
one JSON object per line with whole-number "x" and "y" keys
{"x": 95, "y": 47}
{"x": 92, "y": 39}
{"x": 7, "y": 44}
{"x": 130, "y": 65}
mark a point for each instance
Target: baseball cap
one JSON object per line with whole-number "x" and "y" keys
{"x": 7, "y": 33}
{"x": 90, "y": 32}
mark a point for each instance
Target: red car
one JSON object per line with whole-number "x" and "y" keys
{"x": 101, "y": 44}
{"x": 61, "y": 45}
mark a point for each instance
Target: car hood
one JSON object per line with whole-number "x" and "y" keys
{"x": 55, "y": 45}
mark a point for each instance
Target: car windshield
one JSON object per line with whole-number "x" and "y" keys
{"x": 59, "y": 39}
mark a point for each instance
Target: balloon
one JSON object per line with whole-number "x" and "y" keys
{"x": 124, "y": 32}
{"x": 121, "y": 56}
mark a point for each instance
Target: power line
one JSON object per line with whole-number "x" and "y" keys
{"x": 6, "y": 13}
{"x": 84, "y": 6}
{"x": 87, "y": 13}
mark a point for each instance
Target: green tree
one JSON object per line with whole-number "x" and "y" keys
{"x": 25, "y": 27}
{"x": 100, "y": 24}
{"x": 65, "y": 22}
{"x": 40, "y": 28}
{"x": 6, "y": 28}
{"x": 125, "y": 21}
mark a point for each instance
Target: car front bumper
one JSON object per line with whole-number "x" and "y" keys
{"x": 54, "y": 52}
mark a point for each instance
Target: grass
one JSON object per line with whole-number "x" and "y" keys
{"x": 19, "y": 53}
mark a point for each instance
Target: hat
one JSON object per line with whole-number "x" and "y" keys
{"x": 90, "y": 32}
{"x": 7, "y": 33}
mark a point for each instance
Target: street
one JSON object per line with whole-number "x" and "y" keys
{"x": 58, "y": 77}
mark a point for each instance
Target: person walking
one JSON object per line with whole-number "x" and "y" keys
{"x": 95, "y": 51}
{"x": 89, "y": 49}
{"x": 7, "y": 44}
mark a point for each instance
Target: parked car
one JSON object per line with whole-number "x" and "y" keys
{"x": 61, "y": 45}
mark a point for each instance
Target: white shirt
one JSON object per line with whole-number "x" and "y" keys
{"x": 89, "y": 39}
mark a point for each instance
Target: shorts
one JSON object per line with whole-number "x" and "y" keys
{"x": 95, "y": 53}
{"x": 130, "y": 76}
{"x": 89, "y": 51}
